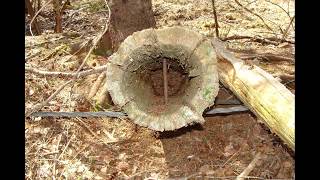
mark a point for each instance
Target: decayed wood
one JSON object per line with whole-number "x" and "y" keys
{"x": 270, "y": 100}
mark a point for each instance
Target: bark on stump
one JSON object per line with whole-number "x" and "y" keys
{"x": 127, "y": 17}
{"x": 135, "y": 85}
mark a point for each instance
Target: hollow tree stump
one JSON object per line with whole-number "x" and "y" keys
{"x": 135, "y": 80}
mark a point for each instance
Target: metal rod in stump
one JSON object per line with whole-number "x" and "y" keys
{"x": 165, "y": 81}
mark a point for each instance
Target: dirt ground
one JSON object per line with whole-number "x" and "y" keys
{"x": 115, "y": 148}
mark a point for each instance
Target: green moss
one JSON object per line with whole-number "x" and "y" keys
{"x": 95, "y": 6}
{"x": 207, "y": 93}
{"x": 91, "y": 6}
{"x": 102, "y": 52}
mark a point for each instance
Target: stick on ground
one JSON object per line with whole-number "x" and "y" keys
{"x": 215, "y": 19}
{"x": 96, "y": 85}
{"x": 38, "y": 107}
{"x": 165, "y": 81}
{"x": 77, "y": 73}
{"x": 250, "y": 167}
{"x": 66, "y": 74}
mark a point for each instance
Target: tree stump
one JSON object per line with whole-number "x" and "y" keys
{"x": 135, "y": 80}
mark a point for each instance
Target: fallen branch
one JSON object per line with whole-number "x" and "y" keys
{"x": 264, "y": 95}
{"x": 104, "y": 97}
{"x": 215, "y": 19}
{"x": 39, "y": 106}
{"x": 270, "y": 40}
{"x": 66, "y": 74}
{"x": 79, "y": 114}
{"x": 250, "y": 167}
{"x": 96, "y": 41}
{"x": 77, "y": 73}
{"x": 268, "y": 57}
{"x": 287, "y": 29}
{"x": 96, "y": 85}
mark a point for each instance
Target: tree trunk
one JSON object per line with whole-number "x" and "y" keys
{"x": 58, "y": 16}
{"x": 266, "y": 97}
{"x": 127, "y": 17}
{"x": 30, "y": 10}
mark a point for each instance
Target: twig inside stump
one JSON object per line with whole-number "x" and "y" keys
{"x": 165, "y": 81}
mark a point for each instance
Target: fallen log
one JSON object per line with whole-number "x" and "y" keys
{"x": 267, "y": 98}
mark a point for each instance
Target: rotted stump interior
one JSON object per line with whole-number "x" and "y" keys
{"x": 164, "y": 78}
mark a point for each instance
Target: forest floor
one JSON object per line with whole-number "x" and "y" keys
{"x": 113, "y": 148}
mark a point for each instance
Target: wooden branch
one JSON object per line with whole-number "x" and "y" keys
{"x": 287, "y": 29}
{"x": 104, "y": 97}
{"x": 79, "y": 114}
{"x": 96, "y": 85}
{"x": 270, "y": 40}
{"x": 250, "y": 167}
{"x": 31, "y": 13}
{"x": 215, "y": 19}
{"x": 268, "y": 27}
{"x": 165, "y": 81}
{"x": 39, "y": 106}
{"x": 66, "y": 74}
{"x": 77, "y": 73}
{"x": 96, "y": 41}
{"x": 268, "y": 57}
{"x": 267, "y": 98}
{"x": 37, "y": 15}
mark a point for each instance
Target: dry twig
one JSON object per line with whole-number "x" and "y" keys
{"x": 66, "y": 74}
{"x": 267, "y": 26}
{"x": 104, "y": 96}
{"x": 270, "y": 40}
{"x": 79, "y": 114}
{"x": 287, "y": 29}
{"x": 77, "y": 73}
{"x": 37, "y": 15}
{"x": 215, "y": 19}
{"x": 250, "y": 167}
{"x": 31, "y": 13}
{"x": 96, "y": 85}
{"x": 165, "y": 81}
{"x": 40, "y": 105}
{"x": 268, "y": 57}
{"x": 96, "y": 41}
